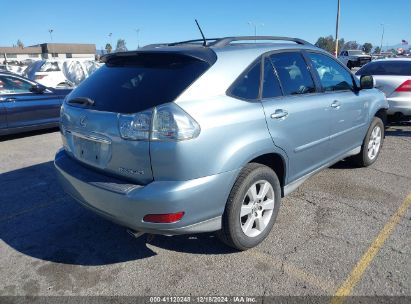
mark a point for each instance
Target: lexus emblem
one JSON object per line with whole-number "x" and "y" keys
{"x": 83, "y": 121}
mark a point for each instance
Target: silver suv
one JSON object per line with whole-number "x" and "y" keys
{"x": 197, "y": 137}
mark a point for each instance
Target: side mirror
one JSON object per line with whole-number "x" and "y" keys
{"x": 37, "y": 88}
{"x": 366, "y": 82}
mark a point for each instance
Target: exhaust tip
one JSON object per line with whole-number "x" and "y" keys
{"x": 135, "y": 234}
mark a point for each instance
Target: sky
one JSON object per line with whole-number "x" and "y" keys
{"x": 142, "y": 22}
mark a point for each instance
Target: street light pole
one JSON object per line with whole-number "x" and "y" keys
{"x": 111, "y": 40}
{"x": 337, "y": 28}
{"x": 138, "y": 40}
{"x": 382, "y": 36}
{"x": 51, "y": 41}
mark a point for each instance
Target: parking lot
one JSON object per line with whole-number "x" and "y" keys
{"x": 52, "y": 246}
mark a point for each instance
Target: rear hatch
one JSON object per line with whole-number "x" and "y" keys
{"x": 129, "y": 83}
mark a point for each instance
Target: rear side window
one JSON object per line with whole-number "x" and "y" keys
{"x": 248, "y": 85}
{"x": 130, "y": 84}
{"x": 332, "y": 75}
{"x": 399, "y": 68}
{"x": 271, "y": 85}
{"x": 293, "y": 73}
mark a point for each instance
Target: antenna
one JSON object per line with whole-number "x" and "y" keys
{"x": 202, "y": 35}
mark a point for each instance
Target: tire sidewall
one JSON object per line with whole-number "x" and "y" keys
{"x": 367, "y": 161}
{"x": 239, "y": 238}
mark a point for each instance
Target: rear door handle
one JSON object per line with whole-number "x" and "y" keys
{"x": 336, "y": 104}
{"x": 279, "y": 113}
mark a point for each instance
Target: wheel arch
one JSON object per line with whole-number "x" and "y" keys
{"x": 382, "y": 114}
{"x": 277, "y": 163}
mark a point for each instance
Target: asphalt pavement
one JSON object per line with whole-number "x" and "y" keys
{"x": 50, "y": 245}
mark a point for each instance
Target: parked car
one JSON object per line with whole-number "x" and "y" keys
{"x": 26, "y": 105}
{"x": 354, "y": 58}
{"x": 61, "y": 72}
{"x": 186, "y": 138}
{"x": 393, "y": 77}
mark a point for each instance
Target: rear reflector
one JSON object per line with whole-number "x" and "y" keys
{"x": 164, "y": 218}
{"x": 405, "y": 87}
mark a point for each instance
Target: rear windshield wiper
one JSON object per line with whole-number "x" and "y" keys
{"x": 84, "y": 101}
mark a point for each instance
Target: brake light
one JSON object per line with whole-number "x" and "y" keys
{"x": 164, "y": 218}
{"x": 167, "y": 122}
{"x": 405, "y": 87}
{"x": 39, "y": 77}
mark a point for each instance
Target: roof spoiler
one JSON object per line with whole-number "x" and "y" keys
{"x": 203, "y": 54}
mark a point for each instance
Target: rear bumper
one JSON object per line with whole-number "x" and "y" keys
{"x": 399, "y": 105}
{"x": 203, "y": 199}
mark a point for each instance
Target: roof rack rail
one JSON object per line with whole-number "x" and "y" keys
{"x": 221, "y": 42}
{"x": 227, "y": 40}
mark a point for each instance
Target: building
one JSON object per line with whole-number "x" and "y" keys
{"x": 68, "y": 50}
{"x": 20, "y": 54}
{"x": 48, "y": 50}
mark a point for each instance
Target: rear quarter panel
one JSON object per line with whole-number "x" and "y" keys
{"x": 376, "y": 101}
{"x": 233, "y": 132}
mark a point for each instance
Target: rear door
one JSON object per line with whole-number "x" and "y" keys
{"x": 3, "y": 113}
{"x": 298, "y": 117}
{"x": 25, "y": 108}
{"x": 347, "y": 105}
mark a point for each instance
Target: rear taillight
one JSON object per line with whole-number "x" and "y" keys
{"x": 135, "y": 126}
{"x": 38, "y": 77}
{"x": 405, "y": 87}
{"x": 164, "y": 218}
{"x": 167, "y": 122}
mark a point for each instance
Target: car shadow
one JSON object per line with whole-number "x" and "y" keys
{"x": 39, "y": 220}
{"x": 401, "y": 129}
{"x": 27, "y": 134}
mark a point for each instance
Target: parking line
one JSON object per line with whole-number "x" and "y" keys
{"x": 359, "y": 269}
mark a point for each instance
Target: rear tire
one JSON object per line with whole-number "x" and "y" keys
{"x": 372, "y": 144}
{"x": 251, "y": 208}
{"x": 349, "y": 65}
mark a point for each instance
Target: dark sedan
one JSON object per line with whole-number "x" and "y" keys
{"x": 26, "y": 105}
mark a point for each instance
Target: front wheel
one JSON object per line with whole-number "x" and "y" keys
{"x": 251, "y": 208}
{"x": 372, "y": 144}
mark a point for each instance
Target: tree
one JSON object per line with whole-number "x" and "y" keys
{"x": 328, "y": 43}
{"x": 377, "y": 50}
{"x": 367, "y": 47}
{"x": 108, "y": 48}
{"x": 121, "y": 45}
{"x": 20, "y": 44}
{"x": 351, "y": 45}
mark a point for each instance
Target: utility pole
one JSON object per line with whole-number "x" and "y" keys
{"x": 382, "y": 36}
{"x": 336, "y": 29}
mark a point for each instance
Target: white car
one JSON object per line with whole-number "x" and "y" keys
{"x": 354, "y": 58}
{"x": 61, "y": 72}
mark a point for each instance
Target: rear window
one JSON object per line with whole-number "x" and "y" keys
{"x": 130, "y": 84}
{"x": 398, "y": 68}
